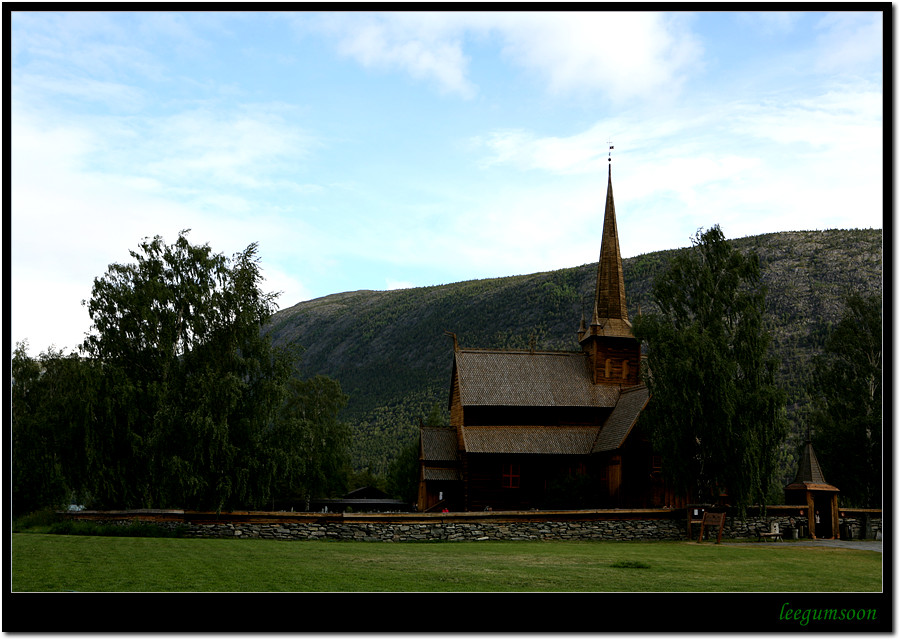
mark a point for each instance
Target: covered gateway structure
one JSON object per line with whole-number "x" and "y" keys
{"x": 809, "y": 488}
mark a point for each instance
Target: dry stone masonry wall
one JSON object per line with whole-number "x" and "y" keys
{"x": 390, "y": 529}
{"x": 450, "y": 531}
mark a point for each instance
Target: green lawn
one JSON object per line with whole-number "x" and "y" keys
{"x": 42, "y": 562}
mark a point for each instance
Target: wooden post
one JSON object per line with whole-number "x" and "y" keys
{"x": 811, "y": 504}
{"x": 835, "y": 522}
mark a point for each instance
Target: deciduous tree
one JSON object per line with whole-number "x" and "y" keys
{"x": 51, "y": 405}
{"x": 715, "y": 414}
{"x": 846, "y": 414}
{"x": 188, "y": 383}
{"x": 309, "y": 444}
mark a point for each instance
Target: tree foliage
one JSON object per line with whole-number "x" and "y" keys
{"x": 403, "y": 472}
{"x": 846, "y": 415}
{"x": 188, "y": 384}
{"x": 309, "y": 444}
{"x": 37, "y": 478}
{"x": 180, "y": 400}
{"x": 716, "y": 414}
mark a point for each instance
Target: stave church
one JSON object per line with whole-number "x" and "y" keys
{"x": 549, "y": 429}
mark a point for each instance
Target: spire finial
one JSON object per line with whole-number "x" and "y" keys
{"x": 455, "y": 341}
{"x": 611, "y": 147}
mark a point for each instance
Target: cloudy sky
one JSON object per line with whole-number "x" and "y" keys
{"x": 379, "y": 151}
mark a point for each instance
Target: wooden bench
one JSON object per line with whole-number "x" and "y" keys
{"x": 772, "y": 533}
{"x": 712, "y": 520}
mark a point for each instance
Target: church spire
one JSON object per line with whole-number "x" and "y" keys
{"x": 610, "y": 314}
{"x": 614, "y": 355}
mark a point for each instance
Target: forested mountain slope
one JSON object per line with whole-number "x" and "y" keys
{"x": 389, "y": 351}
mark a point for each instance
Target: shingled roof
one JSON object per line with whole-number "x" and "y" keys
{"x": 620, "y": 422}
{"x": 441, "y": 474}
{"x": 809, "y": 473}
{"x": 556, "y": 440}
{"x": 439, "y": 444}
{"x": 610, "y": 315}
{"x": 529, "y": 379}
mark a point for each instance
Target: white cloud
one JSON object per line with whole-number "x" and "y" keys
{"x": 771, "y": 23}
{"x": 623, "y": 55}
{"x": 102, "y": 157}
{"x": 416, "y": 43}
{"x": 291, "y": 290}
{"x": 393, "y": 285}
{"x": 576, "y": 153}
{"x": 753, "y": 167}
{"x": 848, "y": 40}
{"x": 93, "y": 46}
{"x": 71, "y": 219}
{"x": 115, "y": 95}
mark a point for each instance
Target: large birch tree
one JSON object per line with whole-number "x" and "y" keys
{"x": 715, "y": 413}
{"x": 189, "y": 384}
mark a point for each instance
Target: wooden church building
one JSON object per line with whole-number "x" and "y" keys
{"x": 538, "y": 429}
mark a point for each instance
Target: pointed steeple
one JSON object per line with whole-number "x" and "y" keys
{"x": 809, "y": 473}
{"x": 809, "y": 470}
{"x": 614, "y": 355}
{"x": 610, "y": 316}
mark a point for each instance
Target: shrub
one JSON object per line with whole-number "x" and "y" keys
{"x": 135, "y": 529}
{"x": 37, "y": 520}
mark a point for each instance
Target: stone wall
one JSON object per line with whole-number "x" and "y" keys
{"x": 620, "y": 525}
{"x": 450, "y": 531}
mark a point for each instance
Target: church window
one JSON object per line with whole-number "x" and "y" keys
{"x": 512, "y": 476}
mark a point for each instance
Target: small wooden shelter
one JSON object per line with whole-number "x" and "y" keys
{"x": 361, "y": 500}
{"x": 810, "y": 488}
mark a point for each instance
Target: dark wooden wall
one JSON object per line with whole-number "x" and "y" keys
{"x": 485, "y": 486}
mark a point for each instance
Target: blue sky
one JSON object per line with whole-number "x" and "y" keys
{"x": 379, "y": 151}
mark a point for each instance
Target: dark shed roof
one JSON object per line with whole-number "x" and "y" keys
{"x": 366, "y": 493}
{"x": 439, "y": 444}
{"x": 441, "y": 474}
{"x": 620, "y": 422}
{"x": 555, "y": 440}
{"x": 529, "y": 379}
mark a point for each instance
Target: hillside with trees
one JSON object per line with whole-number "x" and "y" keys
{"x": 391, "y": 355}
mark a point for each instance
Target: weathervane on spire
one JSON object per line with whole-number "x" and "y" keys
{"x": 609, "y": 142}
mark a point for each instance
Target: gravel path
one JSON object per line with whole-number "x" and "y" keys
{"x": 862, "y": 545}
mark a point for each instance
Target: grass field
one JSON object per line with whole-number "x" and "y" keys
{"x": 42, "y": 562}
